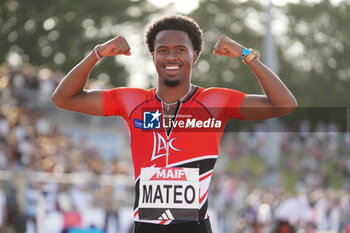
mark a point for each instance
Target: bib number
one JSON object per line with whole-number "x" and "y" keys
{"x": 169, "y": 194}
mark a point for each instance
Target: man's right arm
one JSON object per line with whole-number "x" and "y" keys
{"x": 70, "y": 93}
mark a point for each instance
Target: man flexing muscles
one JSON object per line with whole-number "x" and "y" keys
{"x": 175, "y": 128}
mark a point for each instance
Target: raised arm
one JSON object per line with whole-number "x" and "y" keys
{"x": 70, "y": 93}
{"x": 277, "y": 101}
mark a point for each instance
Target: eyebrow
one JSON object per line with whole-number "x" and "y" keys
{"x": 176, "y": 46}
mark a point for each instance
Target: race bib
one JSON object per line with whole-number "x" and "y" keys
{"x": 169, "y": 194}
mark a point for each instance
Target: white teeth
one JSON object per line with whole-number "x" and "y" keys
{"x": 172, "y": 67}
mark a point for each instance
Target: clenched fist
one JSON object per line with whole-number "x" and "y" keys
{"x": 228, "y": 47}
{"x": 114, "y": 47}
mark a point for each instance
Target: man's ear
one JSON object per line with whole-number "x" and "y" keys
{"x": 195, "y": 57}
{"x": 152, "y": 54}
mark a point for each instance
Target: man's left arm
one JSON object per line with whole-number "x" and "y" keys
{"x": 277, "y": 101}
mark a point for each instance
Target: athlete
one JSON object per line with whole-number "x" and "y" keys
{"x": 175, "y": 128}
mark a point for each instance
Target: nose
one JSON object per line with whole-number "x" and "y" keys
{"x": 172, "y": 55}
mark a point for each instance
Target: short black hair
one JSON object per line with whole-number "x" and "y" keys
{"x": 175, "y": 22}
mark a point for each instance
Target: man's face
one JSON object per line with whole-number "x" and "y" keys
{"x": 173, "y": 57}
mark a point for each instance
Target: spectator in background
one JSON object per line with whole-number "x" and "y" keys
{"x": 31, "y": 204}
{"x": 3, "y": 211}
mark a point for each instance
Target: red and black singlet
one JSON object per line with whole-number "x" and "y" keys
{"x": 183, "y": 147}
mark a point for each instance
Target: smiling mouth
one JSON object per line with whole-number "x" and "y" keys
{"x": 171, "y": 69}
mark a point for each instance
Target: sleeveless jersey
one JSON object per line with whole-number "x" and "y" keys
{"x": 191, "y": 147}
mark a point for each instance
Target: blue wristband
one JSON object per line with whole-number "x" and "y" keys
{"x": 244, "y": 53}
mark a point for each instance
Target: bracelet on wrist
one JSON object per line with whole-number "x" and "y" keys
{"x": 250, "y": 57}
{"x": 244, "y": 53}
{"x": 96, "y": 52}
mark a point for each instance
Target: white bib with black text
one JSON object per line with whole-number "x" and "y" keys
{"x": 169, "y": 194}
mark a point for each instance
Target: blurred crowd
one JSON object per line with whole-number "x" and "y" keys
{"x": 31, "y": 143}
{"x": 301, "y": 185}
{"x": 262, "y": 198}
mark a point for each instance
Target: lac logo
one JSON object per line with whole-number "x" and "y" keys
{"x": 151, "y": 120}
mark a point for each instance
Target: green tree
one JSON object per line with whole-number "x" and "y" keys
{"x": 58, "y": 34}
{"x": 315, "y": 58}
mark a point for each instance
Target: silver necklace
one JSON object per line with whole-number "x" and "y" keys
{"x": 170, "y": 104}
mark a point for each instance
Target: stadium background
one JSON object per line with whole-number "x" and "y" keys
{"x": 61, "y": 171}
